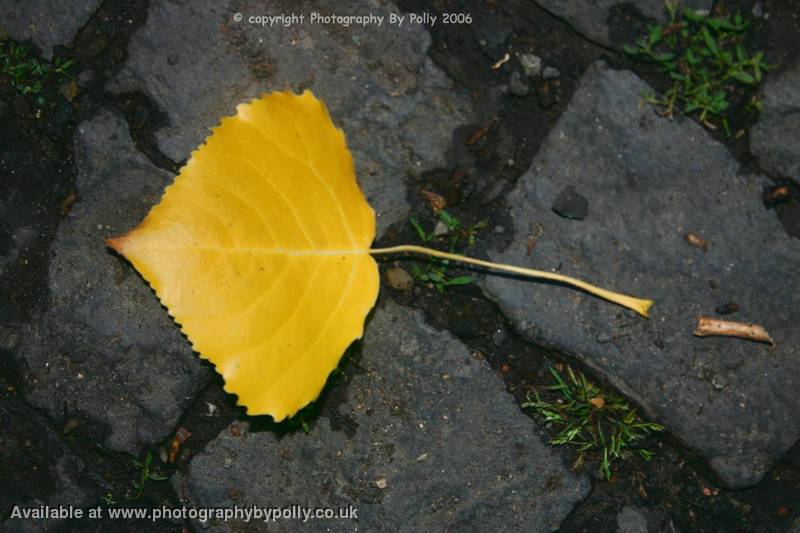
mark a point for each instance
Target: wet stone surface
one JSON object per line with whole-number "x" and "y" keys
{"x": 105, "y": 348}
{"x": 398, "y": 112}
{"x": 428, "y": 439}
{"x": 650, "y": 181}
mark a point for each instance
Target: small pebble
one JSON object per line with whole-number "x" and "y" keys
{"x": 570, "y": 204}
{"x": 499, "y": 230}
{"x": 531, "y": 64}
{"x": 399, "y": 279}
{"x": 603, "y": 338}
{"x": 550, "y": 73}
{"x": 440, "y": 229}
{"x": 719, "y": 382}
{"x": 381, "y": 483}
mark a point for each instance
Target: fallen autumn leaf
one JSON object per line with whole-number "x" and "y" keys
{"x": 260, "y": 251}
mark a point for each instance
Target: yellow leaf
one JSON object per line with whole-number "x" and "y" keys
{"x": 260, "y": 251}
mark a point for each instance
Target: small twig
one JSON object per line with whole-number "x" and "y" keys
{"x": 707, "y": 326}
{"x": 501, "y": 62}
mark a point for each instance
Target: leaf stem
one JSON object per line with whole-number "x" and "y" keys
{"x": 639, "y": 305}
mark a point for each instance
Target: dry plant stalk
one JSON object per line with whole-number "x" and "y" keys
{"x": 707, "y": 326}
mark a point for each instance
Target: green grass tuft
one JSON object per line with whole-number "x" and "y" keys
{"x": 146, "y": 472}
{"x": 591, "y": 420}
{"x": 435, "y": 270}
{"x": 708, "y": 59}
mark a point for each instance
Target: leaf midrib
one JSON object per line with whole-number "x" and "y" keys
{"x": 260, "y": 251}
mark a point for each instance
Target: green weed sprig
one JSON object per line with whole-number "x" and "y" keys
{"x": 707, "y": 58}
{"x": 592, "y": 420}
{"x": 146, "y": 472}
{"x": 436, "y": 269}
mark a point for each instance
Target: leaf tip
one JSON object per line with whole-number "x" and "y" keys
{"x": 117, "y": 243}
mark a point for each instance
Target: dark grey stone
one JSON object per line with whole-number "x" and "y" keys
{"x": 651, "y": 181}
{"x": 774, "y": 138}
{"x": 569, "y": 203}
{"x": 550, "y": 73}
{"x": 397, "y": 108}
{"x": 592, "y": 18}
{"x": 437, "y": 444}
{"x": 105, "y": 347}
{"x": 45, "y": 23}
{"x": 631, "y": 520}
